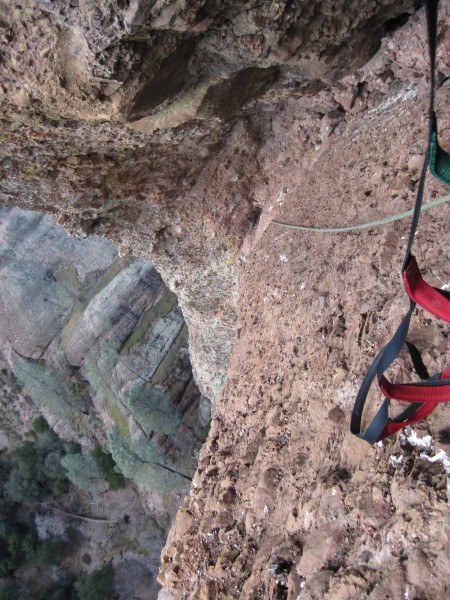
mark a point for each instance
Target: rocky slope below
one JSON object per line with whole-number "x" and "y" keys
{"x": 179, "y": 132}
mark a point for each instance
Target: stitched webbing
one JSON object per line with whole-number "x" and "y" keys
{"x": 424, "y": 396}
{"x": 435, "y": 301}
{"x": 439, "y": 161}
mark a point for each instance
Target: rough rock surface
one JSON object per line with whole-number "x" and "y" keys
{"x": 204, "y": 78}
{"x": 214, "y": 118}
{"x": 286, "y": 503}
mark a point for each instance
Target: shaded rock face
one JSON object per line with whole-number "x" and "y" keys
{"x": 214, "y": 118}
{"x": 43, "y": 277}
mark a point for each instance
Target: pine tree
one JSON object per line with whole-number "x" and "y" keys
{"x": 152, "y": 409}
{"x": 49, "y": 388}
{"x": 142, "y": 461}
{"x": 98, "y": 585}
{"x": 82, "y": 471}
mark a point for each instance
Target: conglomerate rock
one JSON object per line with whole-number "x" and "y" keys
{"x": 180, "y": 132}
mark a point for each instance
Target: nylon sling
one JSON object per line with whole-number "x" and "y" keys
{"x": 424, "y": 395}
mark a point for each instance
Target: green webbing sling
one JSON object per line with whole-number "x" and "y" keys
{"x": 439, "y": 161}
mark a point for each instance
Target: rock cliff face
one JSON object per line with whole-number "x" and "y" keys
{"x": 197, "y": 83}
{"x": 178, "y": 131}
{"x": 99, "y": 346}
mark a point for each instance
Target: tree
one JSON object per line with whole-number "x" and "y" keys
{"x": 107, "y": 465}
{"x": 40, "y": 425}
{"x": 50, "y": 388}
{"x": 8, "y": 591}
{"x": 36, "y": 470}
{"x": 143, "y": 462}
{"x": 82, "y": 470}
{"x": 152, "y": 409}
{"x": 49, "y": 552}
{"x": 98, "y": 585}
{"x": 57, "y": 591}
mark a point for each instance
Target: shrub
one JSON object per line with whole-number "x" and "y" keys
{"x": 86, "y": 558}
{"x": 20, "y": 546}
{"x": 98, "y": 585}
{"x": 48, "y": 553}
{"x": 106, "y": 464}
{"x": 152, "y": 409}
{"x": 57, "y": 591}
{"x": 144, "y": 463}
{"x": 40, "y": 425}
{"x": 14, "y": 552}
{"x": 8, "y": 592}
{"x": 49, "y": 388}
{"x": 36, "y": 472}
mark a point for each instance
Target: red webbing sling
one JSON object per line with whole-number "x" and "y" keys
{"x": 424, "y": 395}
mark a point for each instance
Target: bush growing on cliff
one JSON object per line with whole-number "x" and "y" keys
{"x": 57, "y": 591}
{"x": 85, "y": 471}
{"x": 30, "y": 472}
{"x": 36, "y": 473}
{"x": 40, "y": 425}
{"x": 143, "y": 461}
{"x": 34, "y": 469}
{"x": 19, "y": 546}
{"x": 48, "y": 552}
{"x": 81, "y": 470}
{"x": 8, "y": 591}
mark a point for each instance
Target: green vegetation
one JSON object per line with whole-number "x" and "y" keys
{"x": 20, "y": 546}
{"x": 98, "y": 585}
{"x": 31, "y": 473}
{"x": 57, "y": 591}
{"x": 40, "y": 425}
{"x": 8, "y": 592}
{"x": 144, "y": 462}
{"x": 81, "y": 470}
{"x": 85, "y": 471}
{"x": 48, "y": 553}
{"x": 107, "y": 466}
{"x": 152, "y": 409}
{"x": 36, "y": 470}
{"x": 49, "y": 388}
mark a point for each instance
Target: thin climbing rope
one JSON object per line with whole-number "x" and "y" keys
{"x": 398, "y": 217}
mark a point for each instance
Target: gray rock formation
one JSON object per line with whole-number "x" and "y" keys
{"x": 98, "y": 345}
